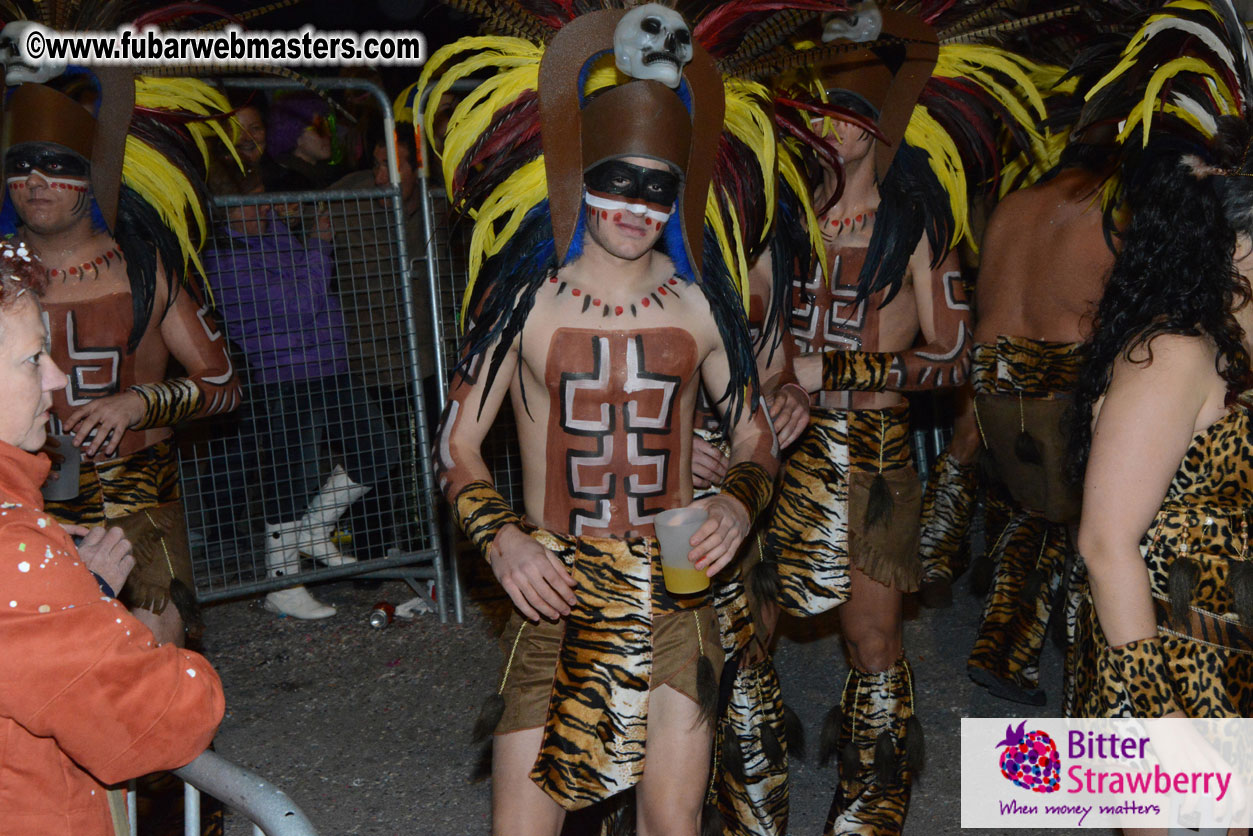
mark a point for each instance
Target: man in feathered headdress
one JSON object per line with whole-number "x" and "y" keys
{"x": 907, "y": 127}
{"x": 108, "y": 204}
{"x": 605, "y": 301}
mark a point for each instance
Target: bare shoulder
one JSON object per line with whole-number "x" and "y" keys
{"x": 1167, "y": 355}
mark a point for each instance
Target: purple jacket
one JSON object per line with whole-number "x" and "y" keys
{"x": 272, "y": 293}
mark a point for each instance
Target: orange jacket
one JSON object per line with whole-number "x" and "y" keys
{"x": 86, "y": 699}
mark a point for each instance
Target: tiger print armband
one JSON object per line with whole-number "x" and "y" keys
{"x": 168, "y": 402}
{"x": 1141, "y": 668}
{"x": 751, "y": 484}
{"x": 482, "y": 512}
{"x": 858, "y": 371}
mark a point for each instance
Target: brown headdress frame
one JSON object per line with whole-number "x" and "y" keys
{"x": 38, "y": 113}
{"x": 890, "y": 73}
{"x": 561, "y": 124}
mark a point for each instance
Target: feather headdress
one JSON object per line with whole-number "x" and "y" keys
{"x": 499, "y": 168}
{"x": 147, "y": 145}
{"x": 951, "y": 107}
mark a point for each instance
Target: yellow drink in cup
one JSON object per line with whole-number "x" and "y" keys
{"x": 674, "y": 533}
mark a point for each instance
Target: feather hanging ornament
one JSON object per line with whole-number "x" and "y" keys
{"x": 829, "y": 737}
{"x": 885, "y": 759}
{"x": 771, "y": 746}
{"x": 1240, "y": 574}
{"x": 1182, "y": 579}
{"x": 915, "y": 745}
{"x": 732, "y": 754}
{"x": 794, "y": 730}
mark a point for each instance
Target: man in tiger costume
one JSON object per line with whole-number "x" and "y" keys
{"x": 885, "y": 315}
{"x": 117, "y": 313}
{"x": 1036, "y": 298}
{"x": 600, "y": 318}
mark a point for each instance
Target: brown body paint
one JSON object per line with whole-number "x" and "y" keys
{"x": 89, "y": 332}
{"x": 614, "y": 440}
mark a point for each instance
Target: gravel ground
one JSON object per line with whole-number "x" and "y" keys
{"x": 368, "y": 729}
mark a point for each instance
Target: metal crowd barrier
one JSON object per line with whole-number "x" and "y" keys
{"x": 269, "y": 809}
{"x": 234, "y": 465}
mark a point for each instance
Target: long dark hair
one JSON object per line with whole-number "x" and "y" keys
{"x": 1175, "y": 273}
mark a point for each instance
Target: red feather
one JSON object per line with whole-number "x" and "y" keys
{"x": 841, "y": 114}
{"x": 720, "y": 27}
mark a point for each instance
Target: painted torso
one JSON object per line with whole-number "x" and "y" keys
{"x": 89, "y": 322}
{"x": 605, "y": 404}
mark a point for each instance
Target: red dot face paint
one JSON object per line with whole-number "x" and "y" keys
{"x": 604, "y": 215}
{"x": 617, "y": 218}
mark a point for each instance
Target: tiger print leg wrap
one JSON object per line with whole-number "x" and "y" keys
{"x": 752, "y": 794}
{"x": 877, "y": 719}
{"x": 807, "y": 535}
{"x": 947, "y": 509}
{"x": 1012, "y": 632}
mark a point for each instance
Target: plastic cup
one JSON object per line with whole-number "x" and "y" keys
{"x": 674, "y": 533}
{"x": 65, "y": 486}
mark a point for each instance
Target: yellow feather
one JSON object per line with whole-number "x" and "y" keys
{"x": 510, "y": 201}
{"x": 796, "y": 181}
{"x": 1168, "y": 71}
{"x": 945, "y": 160}
{"x": 748, "y": 121}
{"x": 170, "y": 192}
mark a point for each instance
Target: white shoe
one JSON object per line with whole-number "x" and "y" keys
{"x": 313, "y": 535}
{"x": 282, "y": 558}
{"x": 298, "y": 603}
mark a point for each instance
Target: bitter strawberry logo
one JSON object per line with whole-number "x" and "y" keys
{"x": 1030, "y": 759}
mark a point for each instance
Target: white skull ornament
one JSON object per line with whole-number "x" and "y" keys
{"x": 19, "y": 65}
{"x": 653, "y": 42}
{"x": 860, "y": 24}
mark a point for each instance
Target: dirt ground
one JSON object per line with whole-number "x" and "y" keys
{"x": 368, "y": 730}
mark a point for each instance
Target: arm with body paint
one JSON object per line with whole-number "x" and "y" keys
{"x": 209, "y": 388}
{"x": 786, "y": 400}
{"x": 749, "y": 482}
{"x": 536, "y": 581}
{"x": 943, "y": 361}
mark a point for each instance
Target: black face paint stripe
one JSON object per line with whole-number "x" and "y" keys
{"x": 623, "y": 179}
{"x": 50, "y": 160}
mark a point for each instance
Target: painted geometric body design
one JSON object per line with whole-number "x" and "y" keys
{"x": 615, "y": 395}
{"x": 94, "y": 371}
{"x": 829, "y": 315}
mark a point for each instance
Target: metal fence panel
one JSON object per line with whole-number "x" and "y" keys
{"x": 329, "y": 330}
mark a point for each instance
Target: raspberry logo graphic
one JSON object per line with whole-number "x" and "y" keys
{"x": 1030, "y": 759}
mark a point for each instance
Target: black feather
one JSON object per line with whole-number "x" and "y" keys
{"x": 981, "y": 572}
{"x": 936, "y": 594}
{"x": 711, "y": 823}
{"x": 771, "y": 746}
{"x": 885, "y": 766}
{"x": 1027, "y": 449}
{"x": 911, "y": 202}
{"x": 706, "y": 690}
{"x": 1242, "y": 590}
{"x": 1031, "y": 587}
{"x": 184, "y": 601}
{"x": 489, "y": 717}
{"x": 829, "y": 739}
{"x": 1181, "y": 583}
{"x": 763, "y": 580}
{"x": 915, "y": 745}
{"x": 482, "y": 765}
{"x": 850, "y": 763}
{"x": 732, "y": 754}
{"x": 795, "y": 731}
{"x": 880, "y": 503}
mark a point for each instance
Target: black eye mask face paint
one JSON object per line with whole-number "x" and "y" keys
{"x": 634, "y": 182}
{"x": 52, "y": 160}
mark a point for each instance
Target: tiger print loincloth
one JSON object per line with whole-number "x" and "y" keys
{"x": 593, "y": 744}
{"x": 141, "y": 494}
